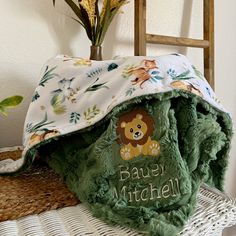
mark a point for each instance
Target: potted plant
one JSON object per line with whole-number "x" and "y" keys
{"x": 95, "y": 20}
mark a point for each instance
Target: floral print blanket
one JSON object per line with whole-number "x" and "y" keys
{"x": 75, "y": 93}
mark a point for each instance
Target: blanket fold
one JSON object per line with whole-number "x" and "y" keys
{"x": 134, "y": 137}
{"x": 156, "y": 193}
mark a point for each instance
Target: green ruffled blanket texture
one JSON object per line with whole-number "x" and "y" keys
{"x": 134, "y": 137}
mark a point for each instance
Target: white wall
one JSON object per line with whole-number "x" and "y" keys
{"x": 225, "y": 54}
{"x": 31, "y": 31}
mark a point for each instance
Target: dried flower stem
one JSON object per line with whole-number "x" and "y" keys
{"x": 88, "y": 15}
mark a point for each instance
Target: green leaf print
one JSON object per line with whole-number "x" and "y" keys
{"x": 126, "y": 73}
{"x": 74, "y": 117}
{"x": 155, "y": 77}
{"x": 91, "y": 112}
{"x": 56, "y": 102}
{"x": 95, "y": 73}
{"x": 129, "y": 92}
{"x": 48, "y": 74}
{"x": 183, "y": 76}
{"x": 30, "y": 128}
{"x": 36, "y": 96}
{"x": 112, "y": 66}
{"x": 59, "y": 109}
{"x": 198, "y": 73}
{"x": 172, "y": 73}
{"x": 94, "y": 87}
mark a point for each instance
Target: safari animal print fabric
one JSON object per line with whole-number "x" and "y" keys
{"x": 133, "y": 137}
{"x": 76, "y": 93}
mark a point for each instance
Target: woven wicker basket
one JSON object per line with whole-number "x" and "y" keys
{"x": 214, "y": 212}
{"x": 31, "y": 192}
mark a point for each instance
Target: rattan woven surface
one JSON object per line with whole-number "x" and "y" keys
{"x": 40, "y": 189}
{"x": 215, "y": 211}
{"x": 37, "y": 190}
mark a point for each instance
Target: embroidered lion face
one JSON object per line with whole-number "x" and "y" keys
{"x": 135, "y": 127}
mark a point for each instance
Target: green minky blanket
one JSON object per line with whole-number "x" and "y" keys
{"x": 152, "y": 190}
{"x": 139, "y": 162}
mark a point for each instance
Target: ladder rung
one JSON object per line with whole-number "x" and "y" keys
{"x": 177, "y": 41}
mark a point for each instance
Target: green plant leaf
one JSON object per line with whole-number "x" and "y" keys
{"x": 83, "y": 18}
{"x": 87, "y": 24}
{"x": 109, "y": 15}
{"x": 96, "y": 32}
{"x": 3, "y": 111}
{"x": 97, "y": 14}
{"x": 11, "y": 102}
{"x": 104, "y": 24}
{"x": 75, "y": 8}
{"x": 78, "y": 21}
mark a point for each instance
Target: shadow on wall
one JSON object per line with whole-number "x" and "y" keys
{"x": 186, "y": 23}
{"x": 110, "y": 40}
{"x": 62, "y": 29}
{"x": 184, "y": 31}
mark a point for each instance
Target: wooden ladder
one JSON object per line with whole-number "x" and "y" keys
{"x": 142, "y": 38}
